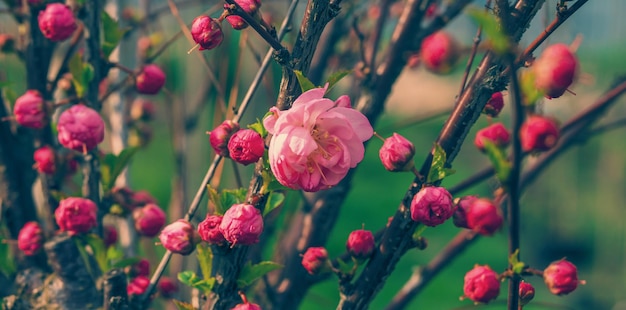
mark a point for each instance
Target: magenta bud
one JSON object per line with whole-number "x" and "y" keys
{"x": 539, "y": 133}
{"x": 397, "y": 153}
{"x": 150, "y": 80}
{"x": 484, "y": 217}
{"x": 481, "y": 284}
{"x": 57, "y": 22}
{"x": 30, "y": 238}
{"x": 246, "y": 146}
{"x": 432, "y": 206}
{"x": 149, "y": 220}
{"x": 140, "y": 268}
{"x": 219, "y": 137}
{"x": 315, "y": 259}
{"x": 555, "y": 70}
{"x": 209, "y": 230}
{"x": 495, "y": 133}
{"x": 526, "y": 292}
{"x": 207, "y": 32}
{"x": 76, "y": 215}
{"x": 247, "y": 306}
{"x": 360, "y": 243}
{"x": 29, "y": 110}
{"x": 439, "y": 52}
{"x": 249, "y": 6}
{"x": 242, "y": 224}
{"x": 179, "y": 237}
{"x": 167, "y": 287}
{"x": 110, "y": 235}
{"x": 137, "y": 286}
{"x": 561, "y": 277}
{"x": 45, "y": 160}
{"x": 494, "y": 105}
{"x": 80, "y": 128}
{"x": 460, "y": 213}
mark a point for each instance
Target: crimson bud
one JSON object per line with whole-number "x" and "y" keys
{"x": 561, "y": 277}
{"x": 495, "y": 133}
{"x": 246, "y": 146}
{"x": 179, "y": 237}
{"x": 432, "y": 206}
{"x": 57, "y": 22}
{"x": 209, "y": 230}
{"x": 242, "y": 224}
{"x": 538, "y": 133}
{"x": 360, "y": 243}
{"x": 29, "y": 110}
{"x": 481, "y": 284}
{"x": 76, "y": 215}
{"x": 397, "y": 153}
{"x": 30, "y": 238}
{"x": 149, "y": 220}
{"x": 207, "y": 32}
{"x": 315, "y": 259}
{"x": 150, "y": 80}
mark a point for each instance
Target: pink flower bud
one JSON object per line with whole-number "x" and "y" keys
{"x": 57, "y": 22}
{"x": 481, "y": 284}
{"x": 142, "y": 110}
{"x": 80, "y": 128}
{"x": 167, "y": 287}
{"x": 76, "y": 215}
{"x": 526, "y": 292}
{"x": 539, "y": 133}
{"x": 137, "y": 286}
{"x": 29, "y": 110}
{"x": 149, "y": 220}
{"x": 249, "y": 6}
{"x": 209, "y": 230}
{"x": 110, "y": 235}
{"x": 315, "y": 259}
{"x": 439, "y": 52}
{"x": 140, "y": 268}
{"x": 150, "y": 80}
{"x": 396, "y": 154}
{"x": 242, "y": 224}
{"x": 45, "y": 160}
{"x": 30, "y": 238}
{"x": 494, "y": 105}
{"x": 247, "y": 306}
{"x": 484, "y": 217}
{"x": 432, "y": 206}
{"x": 179, "y": 237}
{"x": 207, "y": 32}
{"x": 561, "y": 277}
{"x": 555, "y": 70}
{"x": 495, "y": 133}
{"x": 360, "y": 243}
{"x": 460, "y": 213}
{"x": 220, "y": 136}
{"x": 246, "y": 146}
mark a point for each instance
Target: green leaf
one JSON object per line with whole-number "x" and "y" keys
{"x": 229, "y": 197}
{"x": 82, "y": 73}
{"x": 99, "y": 250}
{"x": 258, "y": 127}
{"x": 250, "y": 272}
{"x": 205, "y": 259}
{"x": 492, "y": 29}
{"x": 7, "y": 263}
{"x": 516, "y": 265}
{"x": 273, "y": 201}
{"x": 112, "y": 34}
{"x": 530, "y": 93}
{"x": 214, "y": 197}
{"x": 10, "y": 95}
{"x": 183, "y": 305}
{"x": 84, "y": 255}
{"x": 334, "y": 78}
{"x": 345, "y": 267}
{"x": 112, "y": 166}
{"x": 305, "y": 83}
{"x": 191, "y": 279}
{"x": 498, "y": 159}
{"x": 114, "y": 254}
{"x": 438, "y": 170}
{"x": 126, "y": 262}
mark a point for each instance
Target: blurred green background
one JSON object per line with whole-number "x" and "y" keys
{"x": 574, "y": 210}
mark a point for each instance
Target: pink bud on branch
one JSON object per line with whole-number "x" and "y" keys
{"x": 76, "y": 215}
{"x": 149, "y": 220}
{"x": 242, "y": 224}
{"x": 561, "y": 277}
{"x": 80, "y": 128}
{"x": 150, "y": 80}
{"x": 206, "y": 32}
{"x": 179, "y": 237}
{"x": 315, "y": 260}
{"x": 397, "y": 153}
{"x": 220, "y": 135}
{"x": 432, "y": 206}
{"x": 360, "y": 243}
{"x": 481, "y": 284}
{"x": 29, "y": 110}
{"x": 57, "y": 22}
{"x": 538, "y": 133}
{"x": 30, "y": 238}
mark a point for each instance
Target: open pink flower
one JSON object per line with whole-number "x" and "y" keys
{"x": 317, "y": 141}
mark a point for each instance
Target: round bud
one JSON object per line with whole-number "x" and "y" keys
{"x": 207, "y": 32}
{"x": 484, "y": 217}
{"x": 76, "y": 215}
{"x": 246, "y": 146}
{"x": 494, "y": 105}
{"x": 555, "y": 70}
{"x": 57, "y": 22}
{"x": 539, "y": 133}
{"x": 495, "y": 133}
{"x": 149, "y": 220}
{"x": 137, "y": 286}
{"x": 150, "y": 80}
{"x": 219, "y": 137}
{"x": 397, "y": 153}
{"x": 432, "y": 206}
{"x": 80, "y": 128}
{"x": 242, "y": 224}
{"x": 561, "y": 277}
{"x": 526, "y": 292}
{"x": 179, "y": 237}
{"x": 209, "y": 230}
{"x": 315, "y": 259}
{"x": 29, "y": 110}
{"x": 460, "y": 213}
{"x": 45, "y": 160}
{"x": 30, "y": 238}
{"x": 481, "y": 284}
{"x": 439, "y": 52}
{"x": 360, "y": 243}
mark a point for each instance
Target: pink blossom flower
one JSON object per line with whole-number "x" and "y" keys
{"x": 80, "y": 128}
{"x": 432, "y": 206}
{"x": 29, "y": 110}
{"x": 316, "y": 142}
{"x": 481, "y": 284}
{"x": 30, "y": 238}
{"x": 242, "y": 224}
{"x": 76, "y": 215}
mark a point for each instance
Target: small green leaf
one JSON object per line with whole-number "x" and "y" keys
{"x": 229, "y": 197}
{"x": 334, "y": 78}
{"x": 205, "y": 259}
{"x": 191, "y": 279}
{"x": 214, "y": 197}
{"x": 76, "y": 66}
{"x": 114, "y": 254}
{"x": 273, "y": 201}
{"x": 99, "y": 250}
{"x": 305, "y": 83}
{"x": 516, "y": 265}
{"x": 7, "y": 262}
{"x": 498, "y": 159}
{"x": 250, "y": 272}
{"x": 10, "y": 95}
{"x": 183, "y": 305}
{"x": 112, "y": 166}
{"x": 345, "y": 267}
{"x": 112, "y": 34}
{"x": 258, "y": 127}
{"x": 492, "y": 29}
{"x": 438, "y": 170}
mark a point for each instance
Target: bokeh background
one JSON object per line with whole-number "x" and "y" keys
{"x": 575, "y": 209}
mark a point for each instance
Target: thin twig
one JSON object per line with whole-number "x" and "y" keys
{"x": 470, "y": 60}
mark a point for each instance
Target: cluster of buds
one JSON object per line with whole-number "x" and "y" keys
{"x": 478, "y": 214}
{"x": 244, "y": 146}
